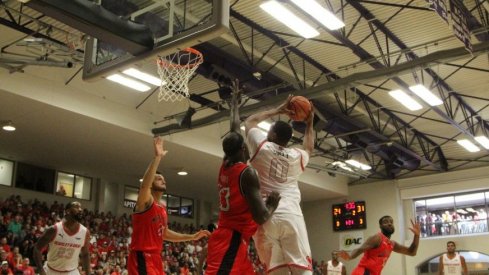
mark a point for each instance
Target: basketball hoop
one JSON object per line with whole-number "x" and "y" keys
{"x": 175, "y": 71}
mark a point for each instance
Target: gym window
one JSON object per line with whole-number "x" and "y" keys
{"x": 457, "y": 214}
{"x": 73, "y": 186}
{"x": 6, "y": 172}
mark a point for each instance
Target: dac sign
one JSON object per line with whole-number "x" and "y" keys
{"x": 351, "y": 240}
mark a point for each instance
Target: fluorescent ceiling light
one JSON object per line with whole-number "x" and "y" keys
{"x": 131, "y": 83}
{"x": 426, "y": 95}
{"x": 358, "y": 164}
{"x": 483, "y": 140}
{"x": 144, "y": 77}
{"x": 282, "y": 14}
{"x": 182, "y": 173}
{"x": 469, "y": 146}
{"x": 473, "y": 198}
{"x": 405, "y": 100}
{"x": 265, "y": 125}
{"x": 324, "y": 16}
{"x": 9, "y": 127}
{"x": 342, "y": 165}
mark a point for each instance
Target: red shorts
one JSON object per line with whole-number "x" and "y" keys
{"x": 361, "y": 270}
{"x": 227, "y": 251}
{"x": 144, "y": 263}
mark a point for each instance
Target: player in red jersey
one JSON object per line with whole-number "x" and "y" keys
{"x": 149, "y": 222}
{"x": 241, "y": 206}
{"x": 378, "y": 248}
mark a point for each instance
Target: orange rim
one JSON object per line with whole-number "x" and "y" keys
{"x": 164, "y": 63}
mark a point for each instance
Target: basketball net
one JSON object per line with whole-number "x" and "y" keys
{"x": 175, "y": 71}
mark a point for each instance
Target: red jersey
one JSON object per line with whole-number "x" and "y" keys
{"x": 148, "y": 228}
{"x": 375, "y": 259}
{"x": 234, "y": 210}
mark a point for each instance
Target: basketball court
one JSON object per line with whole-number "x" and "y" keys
{"x": 59, "y": 61}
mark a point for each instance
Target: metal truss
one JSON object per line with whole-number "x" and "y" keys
{"x": 381, "y": 119}
{"x": 453, "y": 103}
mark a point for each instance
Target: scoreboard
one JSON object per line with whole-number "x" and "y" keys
{"x": 349, "y": 216}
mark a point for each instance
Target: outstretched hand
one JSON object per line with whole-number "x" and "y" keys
{"x": 159, "y": 148}
{"x": 415, "y": 228}
{"x": 201, "y": 234}
{"x": 272, "y": 200}
{"x": 284, "y": 107}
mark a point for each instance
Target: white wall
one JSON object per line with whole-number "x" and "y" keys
{"x": 394, "y": 198}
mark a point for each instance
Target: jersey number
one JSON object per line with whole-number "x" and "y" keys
{"x": 278, "y": 170}
{"x": 224, "y": 199}
{"x": 66, "y": 253}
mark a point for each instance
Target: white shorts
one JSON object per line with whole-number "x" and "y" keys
{"x": 282, "y": 242}
{"x": 50, "y": 271}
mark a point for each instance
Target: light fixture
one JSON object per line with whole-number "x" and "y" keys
{"x": 144, "y": 77}
{"x": 483, "y": 140}
{"x": 426, "y": 95}
{"x": 358, "y": 164}
{"x": 8, "y": 126}
{"x": 182, "y": 173}
{"x": 341, "y": 165}
{"x": 469, "y": 146}
{"x": 322, "y": 15}
{"x": 405, "y": 100}
{"x": 131, "y": 83}
{"x": 282, "y": 14}
{"x": 264, "y": 125}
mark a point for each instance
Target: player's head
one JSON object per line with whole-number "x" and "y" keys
{"x": 280, "y": 132}
{"x": 386, "y": 224}
{"x": 159, "y": 183}
{"x": 451, "y": 247}
{"x": 234, "y": 146}
{"x": 334, "y": 256}
{"x": 74, "y": 211}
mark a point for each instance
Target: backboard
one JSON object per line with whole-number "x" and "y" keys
{"x": 173, "y": 25}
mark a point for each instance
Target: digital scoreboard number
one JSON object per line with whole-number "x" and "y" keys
{"x": 349, "y": 216}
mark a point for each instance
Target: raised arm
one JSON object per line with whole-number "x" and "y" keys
{"x": 413, "y": 248}
{"x": 308, "y": 142}
{"x": 253, "y": 120}
{"x": 173, "y": 236}
{"x": 85, "y": 255}
{"x": 145, "y": 199}
{"x": 234, "y": 105}
{"x": 40, "y": 245}
{"x": 370, "y": 243}
{"x": 260, "y": 210}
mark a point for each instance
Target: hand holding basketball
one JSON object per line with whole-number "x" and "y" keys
{"x": 300, "y": 108}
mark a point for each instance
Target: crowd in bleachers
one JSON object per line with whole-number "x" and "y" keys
{"x": 23, "y": 222}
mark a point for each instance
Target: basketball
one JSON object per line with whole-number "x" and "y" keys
{"x": 301, "y": 108}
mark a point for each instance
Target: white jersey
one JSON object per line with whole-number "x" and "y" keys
{"x": 452, "y": 266}
{"x": 334, "y": 270}
{"x": 278, "y": 169}
{"x": 64, "y": 249}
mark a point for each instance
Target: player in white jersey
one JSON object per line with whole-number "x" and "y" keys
{"x": 334, "y": 267}
{"x": 282, "y": 243}
{"x": 452, "y": 263}
{"x": 68, "y": 240}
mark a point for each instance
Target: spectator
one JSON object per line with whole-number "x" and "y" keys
{"x": 5, "y": 269}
